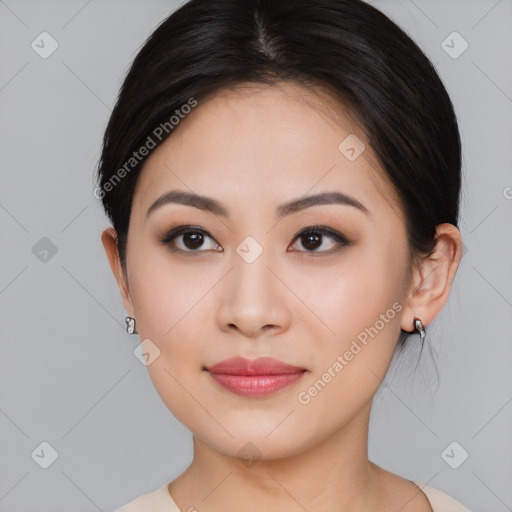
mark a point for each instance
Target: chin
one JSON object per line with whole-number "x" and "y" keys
{"x": 249, "y": 444}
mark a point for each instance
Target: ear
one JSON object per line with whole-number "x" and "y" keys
{"x": 432, "y": 278}
{"x": 109, "y": 240}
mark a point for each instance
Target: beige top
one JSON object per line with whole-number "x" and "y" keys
{"x": 161, "y": 501}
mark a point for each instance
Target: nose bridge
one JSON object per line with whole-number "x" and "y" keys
{"x": 252, "y": 299}
{"x": 251, "y": 275}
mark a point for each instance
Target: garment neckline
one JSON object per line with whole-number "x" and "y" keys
{"x": 169, "y": 500}
{"x": 421, "y": 486}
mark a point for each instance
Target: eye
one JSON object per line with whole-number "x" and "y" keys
{"x": 192, "y": 238}
{"x": 313, "y": 237}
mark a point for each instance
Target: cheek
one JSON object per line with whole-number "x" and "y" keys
{"x": 166, "y": 292}
{"x": 174, "y": 306}
{"x": 362, "y": 305}
{"x": 353, "y": 295}
{"x": 168, "y": 301}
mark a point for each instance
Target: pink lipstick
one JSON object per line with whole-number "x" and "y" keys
{"x": 258, "y": 377}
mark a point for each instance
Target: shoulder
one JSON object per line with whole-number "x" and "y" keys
{"x": 439, "y": 500}
{"x": 158, "y": 500}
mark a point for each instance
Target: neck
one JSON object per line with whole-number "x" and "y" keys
{"x": 329, "y": 476}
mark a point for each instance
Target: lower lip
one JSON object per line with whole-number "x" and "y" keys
{"x": 255, "y": 385}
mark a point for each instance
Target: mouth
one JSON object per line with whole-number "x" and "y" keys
{"x": 260, "y": 377}
{"x": 256, "y": 385}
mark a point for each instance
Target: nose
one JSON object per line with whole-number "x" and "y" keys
{"x": 254, "y": 298}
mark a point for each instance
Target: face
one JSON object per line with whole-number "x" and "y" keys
{"x": 254, "y": 282}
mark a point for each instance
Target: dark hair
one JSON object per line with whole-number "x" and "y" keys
{"x": 346, "y": 46}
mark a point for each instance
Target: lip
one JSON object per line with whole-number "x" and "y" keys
{"x": 260, "y": 366}
{"x": 258, "y": 377}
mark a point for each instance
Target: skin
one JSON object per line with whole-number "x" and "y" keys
{"x": 253, "y": 148}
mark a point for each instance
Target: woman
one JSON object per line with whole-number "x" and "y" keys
{"x": 283, "y": 183}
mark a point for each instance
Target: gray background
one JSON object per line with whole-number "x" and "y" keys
{"x": 68, "y": 375}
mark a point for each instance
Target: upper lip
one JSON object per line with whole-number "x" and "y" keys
{"x": 261, "y": 366}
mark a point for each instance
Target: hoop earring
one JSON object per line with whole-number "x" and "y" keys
{"x": 130, "y": 325}
{"x": 418, "y": 325}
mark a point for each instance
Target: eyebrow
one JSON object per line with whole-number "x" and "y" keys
{"x": 212, "y": 205}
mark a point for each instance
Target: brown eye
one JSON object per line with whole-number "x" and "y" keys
{"x": 311, "y": 241}
{"x": 314, "y": 237}
{"x": 192, "y": 239}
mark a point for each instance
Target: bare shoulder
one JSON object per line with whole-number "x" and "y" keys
{"x": 402, "y": 494}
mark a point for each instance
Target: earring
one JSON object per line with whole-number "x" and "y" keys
{"x": 418, "y": 325}
{"x": 130, "y": 325}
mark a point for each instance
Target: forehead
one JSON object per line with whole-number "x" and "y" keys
{"x": 265, "y": 144}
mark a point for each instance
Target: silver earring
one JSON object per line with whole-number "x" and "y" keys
{"x": 418, "y": 325}
{"x": 130, "y": 325}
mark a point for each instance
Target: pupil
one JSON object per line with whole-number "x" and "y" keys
{"x": 195, "y": 239}
{"x": 312, "y": 238}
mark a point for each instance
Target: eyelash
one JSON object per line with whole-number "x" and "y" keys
{"x": 342, "y": 241}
